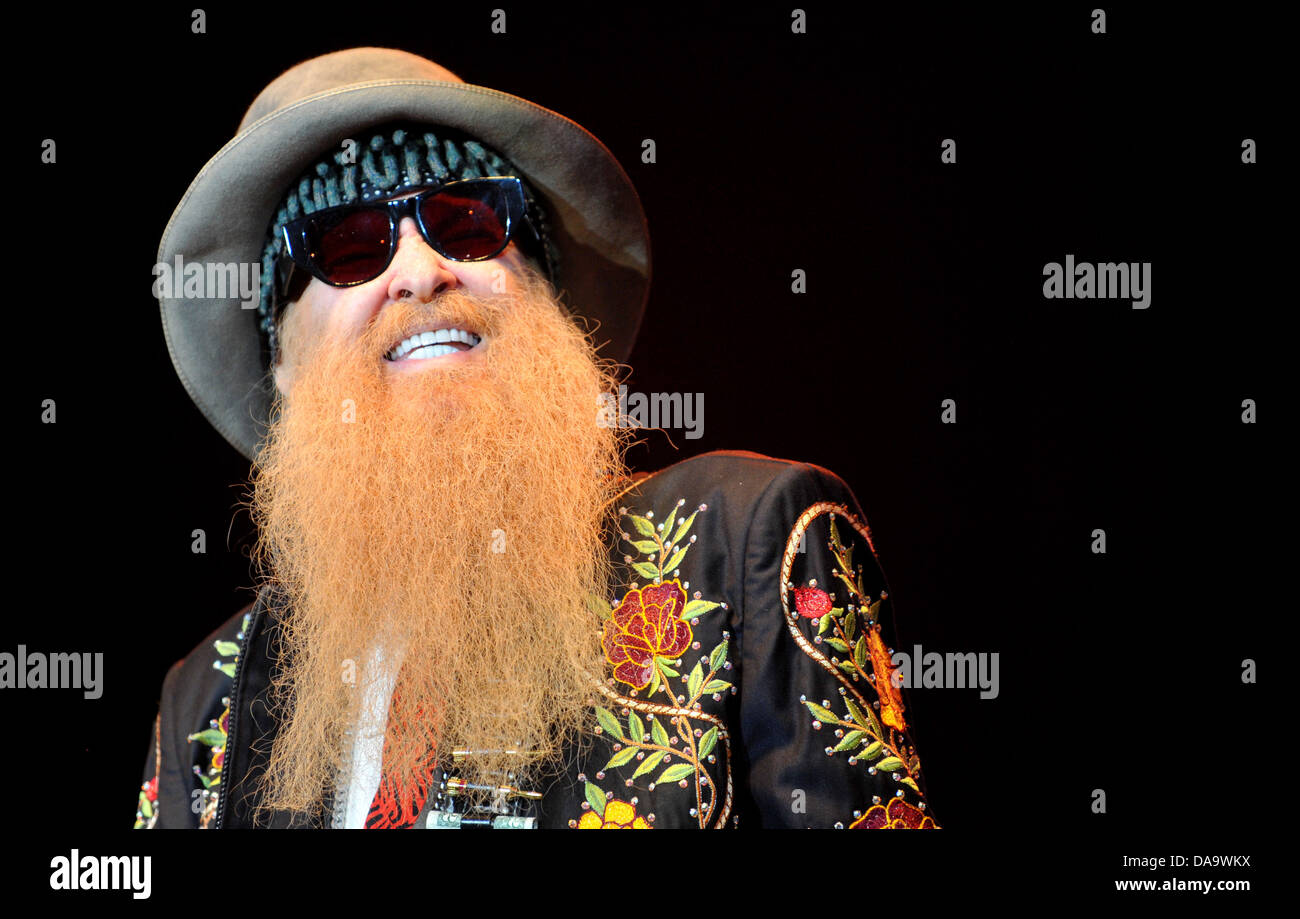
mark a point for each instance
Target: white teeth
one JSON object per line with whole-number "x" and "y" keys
{"x": 426, "y": 351}
{"x": 433, "y": 344}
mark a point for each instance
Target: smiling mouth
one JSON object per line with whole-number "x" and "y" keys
{"x": 433, "y": 344}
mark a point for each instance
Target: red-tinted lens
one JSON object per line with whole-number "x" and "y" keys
{"x": 467, "y": 224}
{"x": 350, "y": 248}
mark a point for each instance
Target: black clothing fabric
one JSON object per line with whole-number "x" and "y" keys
{"x": 751, "y": 588}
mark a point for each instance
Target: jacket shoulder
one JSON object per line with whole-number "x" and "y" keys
{"x": 737, "y": 474}
{"x": 759, "y": 545}
{"x": 196, "y": 685}
{"x": 204, "y": 663}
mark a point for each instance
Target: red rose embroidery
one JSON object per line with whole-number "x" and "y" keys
{"x": 645, "y": 625}
{"x": 812, "y": 602}
{"x": 896, "y": 815}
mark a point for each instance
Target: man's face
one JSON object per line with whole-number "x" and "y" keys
{"x": 417, "y": 273}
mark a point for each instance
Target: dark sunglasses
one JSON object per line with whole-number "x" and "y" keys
{"x": 466, "y": 221}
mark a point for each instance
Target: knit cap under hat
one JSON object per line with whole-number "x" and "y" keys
{"x": 393, "y": 157}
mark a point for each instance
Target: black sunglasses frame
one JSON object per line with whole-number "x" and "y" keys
{"x": 295, "y": 254}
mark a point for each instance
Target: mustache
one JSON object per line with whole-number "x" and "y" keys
{"x": 458, "y": 308}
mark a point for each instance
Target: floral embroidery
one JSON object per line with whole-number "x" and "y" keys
{"x": 146, "y": 813}
{"x": 896, "y": 815}
{"x": 617, "y": 815}
{"x": 812, "y": 602}
{"x": 214, "y": 736}
{"x": 865, "y": 668}
{"x": 645, "y": 637}
{"x": 643, "y": 628}
{"x": 886, "y": 679}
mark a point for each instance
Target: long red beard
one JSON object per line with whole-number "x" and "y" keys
{"x": 458, "y": 523}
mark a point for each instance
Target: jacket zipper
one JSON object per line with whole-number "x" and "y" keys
{"x": 245, "y": 642}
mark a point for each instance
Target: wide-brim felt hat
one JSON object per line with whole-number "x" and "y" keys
{"x": 596, "y": 219}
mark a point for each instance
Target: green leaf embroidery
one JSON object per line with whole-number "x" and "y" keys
{"x": 911, "y": 782}
{"x": 826, "y": 621}
{"x": 716, "y": 686}
{"x": 853, "y": 591}
{"x": 621, "y": 757}
{"x": 663, "y": 666}
{"x": 654, "y": 682}
{"x": 875, "y": 723}
{"x": 685, "y": 525}
{"x": 890, "y": 764}
{"x": 866, "y": 718}
{"x": 649, "y": 763}
{"x": 824, "y": 715}
{"x": 658, "y": 734}
{"x": 212, "y": 737}
{"x": 668, "y": 521}
{"x": 609, "y": 723}
{"x": 837, "y": 644}
{"x": 835, "y": 535}
{"x": 850, "y": 623}
{"x": 226, "y": 648}
{"x": 718, "y": 657}
{"x": 676, "y": 559}
{"x": 596, "y": 798}
{"x": 851, "y": 740}
{"x": 646, "y": 546}
{"x": 698, "y": 608}
{"x": 694, "y": 681}
{"x": 708, "y": 741}
{"x": 860, "y": 653}
{"x": 228, "y": 670}
{"x": 675, "y": 773}
{"x": 644, "y": 526}
{"x": 635, "y": 727}
{"x": 873, "y": 750}
{"x": 646, "y": 570}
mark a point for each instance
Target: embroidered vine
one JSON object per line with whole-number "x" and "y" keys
{"x": 204, "y": 799}
{"x": 872, "y": 731}
{"x": 214, "y": 736}
{"x": 646, "y": 638}
{"x": 146, "y": 811}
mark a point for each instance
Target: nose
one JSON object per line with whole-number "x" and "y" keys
{"x": 418, "y": 271}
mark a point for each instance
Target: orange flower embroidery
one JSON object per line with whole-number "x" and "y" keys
{"x": 219, "y": 757}
{"x": 643, "y": 626}
{"x": 619, "y": 815}
{"x": 897, "y": 815}
{"x": 891, "y": 700}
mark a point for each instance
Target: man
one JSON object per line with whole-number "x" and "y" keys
{"x": 472, "y": 614}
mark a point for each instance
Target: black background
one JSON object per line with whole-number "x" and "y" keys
{"x": 775, "y": 151}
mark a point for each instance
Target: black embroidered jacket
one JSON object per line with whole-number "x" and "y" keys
{"x": 749, "y": 679}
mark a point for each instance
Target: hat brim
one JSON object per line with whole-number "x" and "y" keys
{"x": 597, "y": 224}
